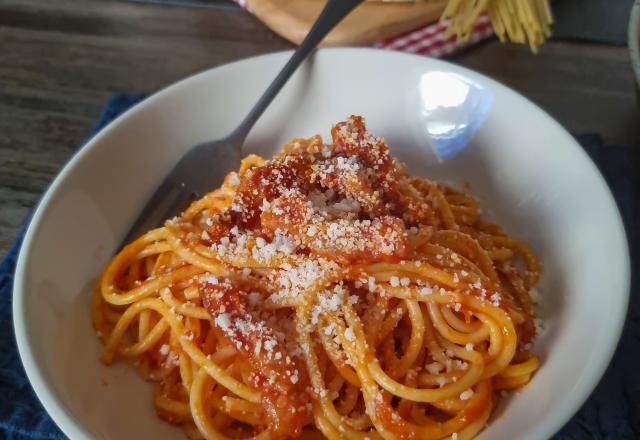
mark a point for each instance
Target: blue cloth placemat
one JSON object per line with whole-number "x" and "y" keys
{"x": 612, "y": 411}
{"x": 21, "y": 415}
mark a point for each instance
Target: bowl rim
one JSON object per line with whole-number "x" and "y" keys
{"x": 75, "y": 429}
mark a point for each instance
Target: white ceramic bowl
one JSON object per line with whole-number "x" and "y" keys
{"x": 526, "y": 169}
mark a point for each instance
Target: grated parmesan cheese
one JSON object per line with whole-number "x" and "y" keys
{"x": 466, "y": 395}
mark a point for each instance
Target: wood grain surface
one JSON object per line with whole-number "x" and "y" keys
{"x": 369, "y": 23}
{"x": 60, "y": 60}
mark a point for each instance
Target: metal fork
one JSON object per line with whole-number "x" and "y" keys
{"x": 204, "y": 166}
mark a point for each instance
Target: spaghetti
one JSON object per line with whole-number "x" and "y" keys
{"x": 324, "y": 292}
{"x": 519, "y": 21}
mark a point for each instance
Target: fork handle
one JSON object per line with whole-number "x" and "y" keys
{"x": 333, "y": 12}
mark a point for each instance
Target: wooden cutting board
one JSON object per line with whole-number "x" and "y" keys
{"x": 369, "y": 23}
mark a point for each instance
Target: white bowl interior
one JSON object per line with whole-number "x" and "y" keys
{"x": 528, "y": 172}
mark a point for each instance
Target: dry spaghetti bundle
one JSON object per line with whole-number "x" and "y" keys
{"x": 518, "y": 21}
{"x": 324, "y": 292}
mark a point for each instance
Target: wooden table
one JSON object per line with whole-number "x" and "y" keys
{"x": 60, "y": 60}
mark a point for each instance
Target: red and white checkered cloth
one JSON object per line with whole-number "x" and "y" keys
{"x": 430, "y": 40}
